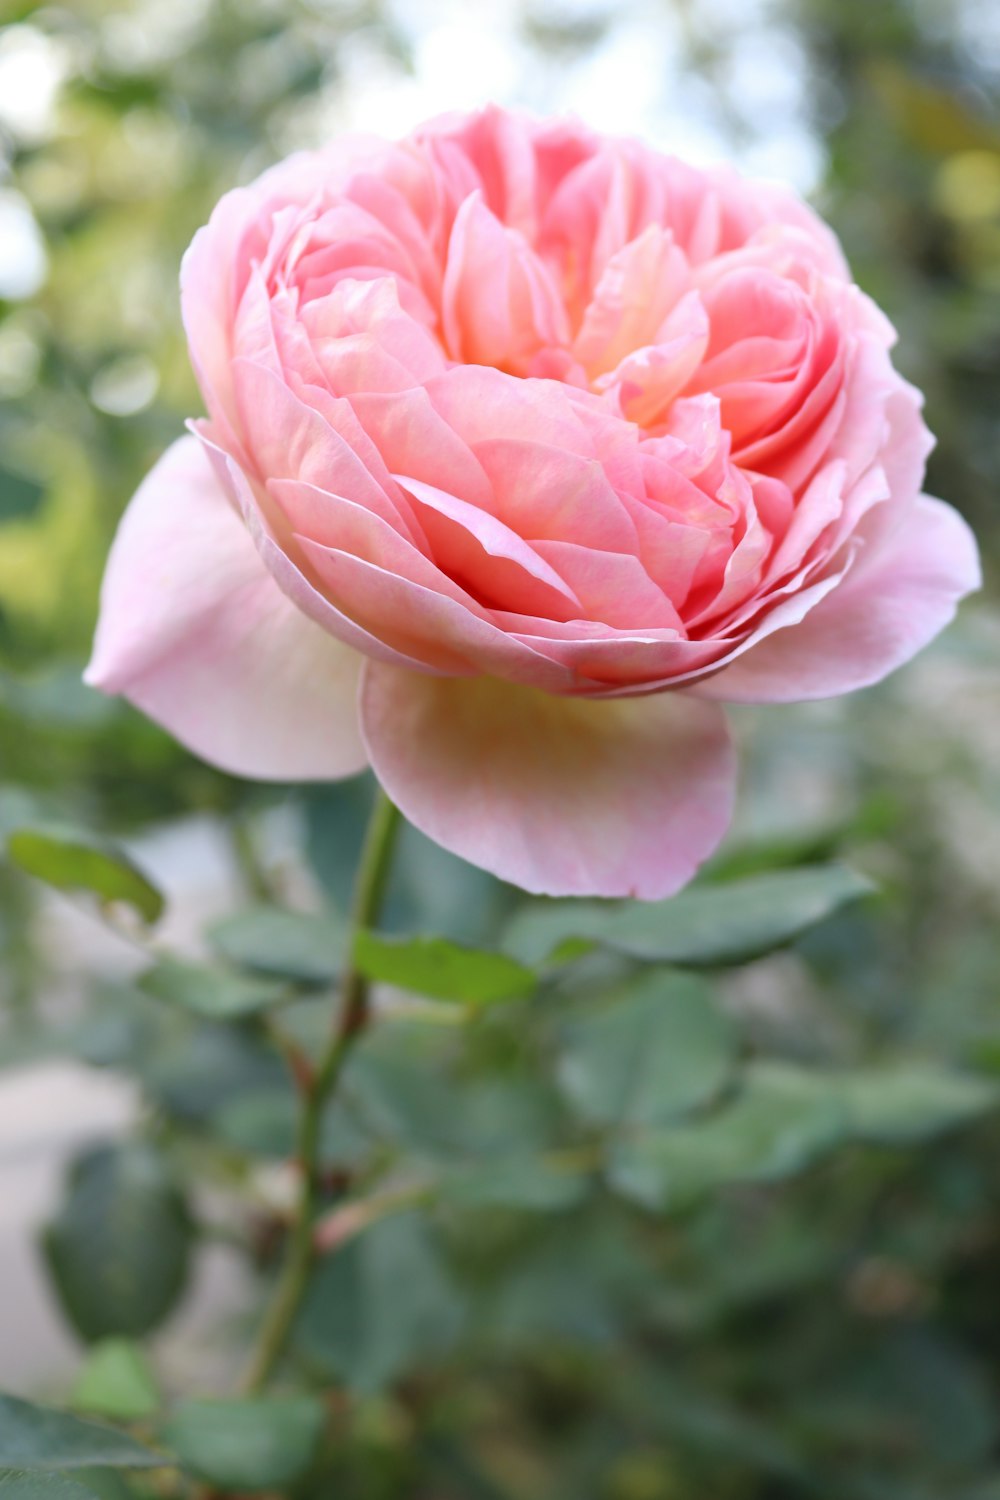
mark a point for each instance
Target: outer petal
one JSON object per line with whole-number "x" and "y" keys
{"x": 195, "y": 632}
{"x": 885, "y": 611}
{"x": 563, "y": 797}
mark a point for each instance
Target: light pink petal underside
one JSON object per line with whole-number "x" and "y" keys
{"x": 561, "y": 796}
{"x": 887, "y": 609}
{"x": 196, "y": 633}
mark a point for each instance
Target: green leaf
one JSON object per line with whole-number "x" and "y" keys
{"x": 786, "y": 1117}
{"x": 711, "y": 925}
{"x": 214, "y": 994}
{"x": 782, "y": 1120}
{"x": 263, "y": 1443}
{"x": 651, "y": 1056}
{"x": 15, "y": 1484}
{"x": 265, "y": 1123}
{"x": 911, "y": 1103}
{"x": 39, "y": 1438}
{"x": 441, "y": 969}
{"x": 110, "y": 1484}
{"x": 381, "y": 1305}
{"x": 116, "y": 1381}
{"x": 204, "y": 1067}
{"x": 74, "y": 859}
{"x": 119, "y": 1247}
{"x": 405, "y": 1083}
{"x": 528, "y": 1183}
{"x": 290, "y": 944}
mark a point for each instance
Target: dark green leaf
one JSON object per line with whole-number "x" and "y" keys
{"x": 294, "y": 945}
{"x": 119, "y": 1247}
{"x": 441, "y": 969}
{"x": 380, "y": 1306}
{"x": 263, "y": 1443}
{"x": 116, "y": 1381}
{"x": 37, "y": 1437}
{"x": 73, "y": 859}
{"x": 655, "y": 1053}
{"x": 710, "y": 925}
{"x": 780, "y": 1121}
{"x": 214, "y": 994}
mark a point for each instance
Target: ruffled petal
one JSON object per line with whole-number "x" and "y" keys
{"x": 196, "y": 633}
{"x": 886, "y": 610}
{"x": 499, "y": 304}
{"x": 562, "y": 796}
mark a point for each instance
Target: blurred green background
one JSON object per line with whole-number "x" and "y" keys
{"x": 836, "y": 1333}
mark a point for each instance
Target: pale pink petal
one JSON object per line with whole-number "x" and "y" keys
{"x": 564, "y": 797}
{"x": 499, "y": 304}
{"x": 544, "y": 493}
{"x": 197, "y": 634}
{"x": 638, "y": 288}
{"x": 290, "y": 439}
{"x": 365, "y": 341}
{"x": 613, "y": 587}
{"x": 882, "y": 614}
{"x": 670, "y": 550}
{"x": 496, "y": 564}
{"x": 482, "y": 404}
{"x": 648, "y": 379}
{"x": 412, "y": 438}
{"x": 291, "y": 579}
{"x": 381, "y": 613}
{"x": 620, "y": 662}
{"x": 428, "y": 626}
{"x": 493, "y": 151}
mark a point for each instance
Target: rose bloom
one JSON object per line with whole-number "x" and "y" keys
{"x": 527, "y": 449}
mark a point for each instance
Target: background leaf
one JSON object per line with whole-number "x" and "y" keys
{"x": 530, "y": 1183}
{"x": 380, "y": 1306}
{"x": 655, "y": 1052}
{"x": 904, "y": 1103}
{"x": 17, "y": 1484}
{"x": 295, "y": 945}
{"x": 73, "y": 859}
{"x": 213, "y": 994}
{"x": 781, "y": 1120}
{"x": 116, "y": 1381}
{"x": 711, "y": 925}
{"x": 264, "y": 1443}
{"x": 38, "y": 1437}
{"x": 119, "y": 1247}
{"x": 441, "y": 969}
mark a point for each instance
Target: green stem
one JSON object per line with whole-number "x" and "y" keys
{"x": 352, "y": 1019}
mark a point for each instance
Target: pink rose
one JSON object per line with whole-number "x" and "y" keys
{"x": 525, "y": 448}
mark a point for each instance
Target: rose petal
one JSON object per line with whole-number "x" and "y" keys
{"x": 564, "y": 797}
{"x": 498, "y": 565}
{"x": 288, "y": 572}
{"x": 499, "y": 304}
{"x": 638, "y": 288}
{"x": 886, "y": 610}
{"x": 197, "y": 634}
